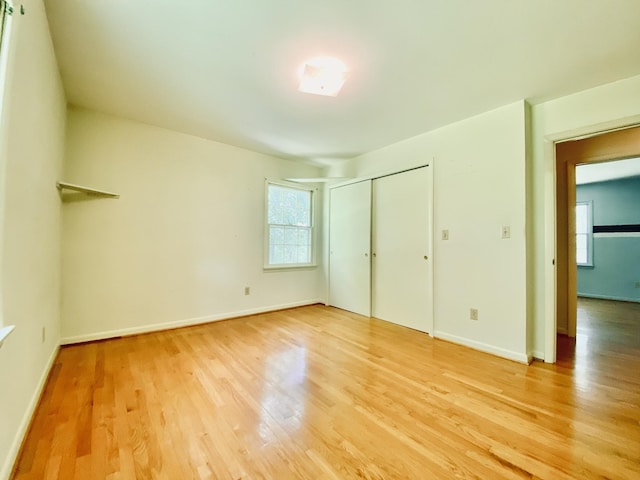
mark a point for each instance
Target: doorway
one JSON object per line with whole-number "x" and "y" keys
{"x": 605, "y": 147}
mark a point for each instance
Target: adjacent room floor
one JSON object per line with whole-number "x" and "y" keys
{"x": 319, "y": 393}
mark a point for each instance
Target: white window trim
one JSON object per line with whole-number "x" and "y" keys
{"x": 589, "y": 262}
{"x": 314, "y": 239}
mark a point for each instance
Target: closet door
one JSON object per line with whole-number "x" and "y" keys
{"x": 349, "y": 247}
{"x": 402, "y": 290}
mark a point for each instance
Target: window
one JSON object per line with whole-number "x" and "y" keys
{"x": 584, "y": 234}
{"x": 289, "y": 229}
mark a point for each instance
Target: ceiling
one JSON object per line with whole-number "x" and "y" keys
{"x": 227, "y": 70}
{"x": 601, "y": 172}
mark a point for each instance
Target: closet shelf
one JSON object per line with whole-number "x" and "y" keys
{"x": 89, "y": 191}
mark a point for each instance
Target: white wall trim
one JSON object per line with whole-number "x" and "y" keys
{"x": 608, "y": 297}
{"x": 156, "y": 327}
{"x": 483, "y": 347}
{"x": 537, "y": 354}
{"x": 12, "y": 455}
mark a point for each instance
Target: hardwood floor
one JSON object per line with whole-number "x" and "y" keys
{"x": 319, "y": 393}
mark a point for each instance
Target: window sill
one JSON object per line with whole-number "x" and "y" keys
{"x": 5, "y": 332}
{"x": 271, "y": 268}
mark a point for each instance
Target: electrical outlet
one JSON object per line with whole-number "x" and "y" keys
{"x": 247, "y": 290}
{"x": 445, "y": 234}
{"x": 637, "y": 284}
{"x": 473, "y": 314}
{"x": 44, "y": 334}
{"x": 506, "y": 231}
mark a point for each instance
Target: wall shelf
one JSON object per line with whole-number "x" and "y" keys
{"x": 89, "y": 191}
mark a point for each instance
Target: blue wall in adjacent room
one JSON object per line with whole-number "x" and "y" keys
{"x": 616, "y": 260}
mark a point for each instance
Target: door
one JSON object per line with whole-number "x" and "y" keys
{"x": 402, "y": 286}
{"x": 349, "y": 247}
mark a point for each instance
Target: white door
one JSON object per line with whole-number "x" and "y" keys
{"x": 349, "y": 248}
{"x": 402, "y": 267}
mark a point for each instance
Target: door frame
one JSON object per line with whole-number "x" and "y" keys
{"x": 599, "y": 145}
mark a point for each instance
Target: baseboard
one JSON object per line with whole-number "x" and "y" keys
{"x": 189, "y": 322}
{"x": 483, "y": 347}
{"x": 608, "y": 297}
{"x": 12, "y": 456}
{"x": 538, "y": 355}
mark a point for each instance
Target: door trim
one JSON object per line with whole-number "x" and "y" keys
{"x": 374, "y": 176}
{"x": 612, "y": 145}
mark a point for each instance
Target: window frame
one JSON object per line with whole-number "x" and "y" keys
{"x": 588, "y": 233}
{"x": 312, "y": 229}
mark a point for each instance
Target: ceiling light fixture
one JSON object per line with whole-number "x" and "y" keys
{"x": 323, "y": 76}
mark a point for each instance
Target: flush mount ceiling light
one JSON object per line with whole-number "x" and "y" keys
{"x": 323, "y": 76}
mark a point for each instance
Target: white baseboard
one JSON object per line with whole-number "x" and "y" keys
{"x": 483, "y": 347}
{"x": 12, "y": 455}
{"x": 189, "y": 322}
{"x": 608, "y": 297}
{"x": 537, "y": 354}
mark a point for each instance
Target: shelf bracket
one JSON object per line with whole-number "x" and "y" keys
{"x": 89, "y": 191}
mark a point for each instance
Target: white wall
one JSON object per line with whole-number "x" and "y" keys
{"x": 183, "y": 240}
{"x": 479, "y": 178}
{"x": 609, "y": 106}
{"x": 31, "y": 159}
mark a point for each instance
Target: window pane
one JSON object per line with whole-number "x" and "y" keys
{"x": 276, "y": 256}
{"x": 276, "y": 235}
{"x": 304, "y": 254}
{"x": 291, "y": 254}
{"x": 581, "y": 257}
{"x": 582, "y": 219}
{"x": 291, "y": 236}
{"x": 304, "y": 218}
{"x": 581, "y": 248}
{"x": 303, "y": 237}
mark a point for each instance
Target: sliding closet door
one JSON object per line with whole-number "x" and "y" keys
{"x": 401, "y": 245}
{"x": 349, "y": 248}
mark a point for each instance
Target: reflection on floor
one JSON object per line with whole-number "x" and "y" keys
{"x": 319, "y": 393}
{"x": 608, "y": 338}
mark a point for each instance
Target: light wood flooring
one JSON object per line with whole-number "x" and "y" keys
{"x": 319, "y": 393}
